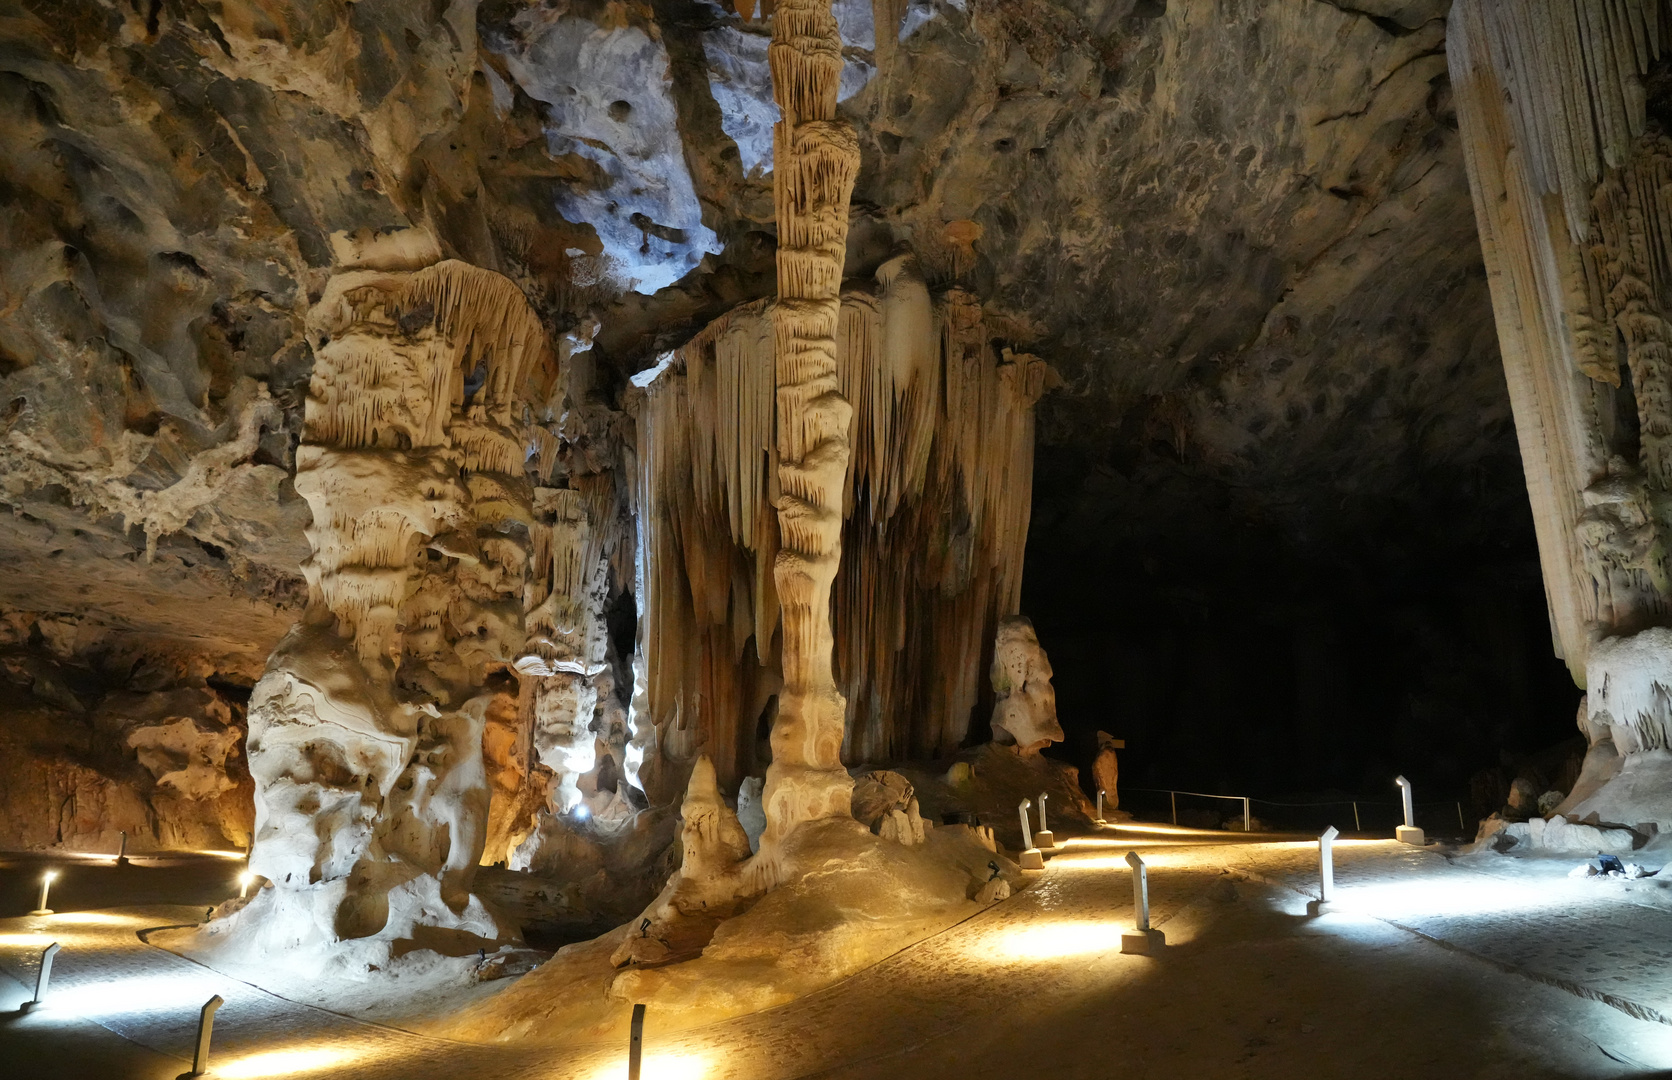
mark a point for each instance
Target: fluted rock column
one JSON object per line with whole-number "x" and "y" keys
{"x": 816, "y": 159}
{"x": 365, "y": 736}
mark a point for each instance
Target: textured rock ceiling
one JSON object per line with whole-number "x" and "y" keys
{"x": 1239, "y": 229}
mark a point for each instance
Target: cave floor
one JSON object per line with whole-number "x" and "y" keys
{"x": 1427, "y": 967}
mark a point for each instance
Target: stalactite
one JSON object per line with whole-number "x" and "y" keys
{"x": 581, "y": 543}
{"x": 937, "y": 501}
{"x": 1570, "y": 71}
{"x": 1570, "y": 180}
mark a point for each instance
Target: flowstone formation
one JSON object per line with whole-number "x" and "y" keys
{"x": 366, "y": 732}
{"x": 1567, "y": 126}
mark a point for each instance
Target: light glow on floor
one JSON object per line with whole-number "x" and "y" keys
{"x": 1426, "y": 897}
{"x": 656, "y": 1066}
{"x": 139, "y": 994}
{"x": 1053, "y": 940}
{"x": 283, "y": 1063}
{"x": 92, "y": 918}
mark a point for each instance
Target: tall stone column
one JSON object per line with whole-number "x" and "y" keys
{"x": 1568, "y": 159}
{"x": 366, "y": 730}
{"x": 816, "y": 159}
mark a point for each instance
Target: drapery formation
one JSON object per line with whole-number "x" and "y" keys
{"x": 936, "y": 500}
{"x": 1569, "y": 167}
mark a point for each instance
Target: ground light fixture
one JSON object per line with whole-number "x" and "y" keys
{"x": 1031, "y": 857}
{"x": 205, "y": 1029}
{"x": 43, "y": 978}
{"x": 1044, "y": 839}
{"x": 1142, "y": 938}
{"x": 46, "y": 886}
{"x": 1326, "y": 873}
{"x": 635, "y": 1043}
{"x": 1408, "y": 833}
{"x": 244, "y": 881}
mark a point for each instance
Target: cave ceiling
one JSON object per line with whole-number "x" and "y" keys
{"x": 1239, "y": 230}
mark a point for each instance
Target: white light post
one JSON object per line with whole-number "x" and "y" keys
{"x": 122, "y": 851}
{"x": 1031, "y": 858}
{"x": 1326, "y": 873}
{"x": 1141, "y": 938}
{"x": 1044, "y": 839}
{"x": 1100, "y": 794}
{"x": 46, "y": 886}
{"x": 205, "y": 1026}
{"x": 244, "y": 880}
{"x": 1408, "y": 833}
{"x": 43, "y": 977}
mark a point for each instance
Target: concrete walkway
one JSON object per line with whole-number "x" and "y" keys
{"x": 1431, "y": 970}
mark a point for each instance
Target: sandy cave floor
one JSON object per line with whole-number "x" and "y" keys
{"x": 1482, "y": 966}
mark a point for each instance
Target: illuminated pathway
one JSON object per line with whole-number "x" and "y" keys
{"x": 1034, "y": 987}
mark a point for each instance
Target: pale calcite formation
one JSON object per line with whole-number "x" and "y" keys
{"x": 937, "y": 501}
{"x": 579, "y": 792}
{"x": 367, "y": 731}
{"x": 1569, "y": 175}
{"x": 712, "y": 883}
{"x": 1025, "y": 709}
{"x": 815, "y": 161}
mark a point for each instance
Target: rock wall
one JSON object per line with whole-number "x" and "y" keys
{"x": 99, "y": 742}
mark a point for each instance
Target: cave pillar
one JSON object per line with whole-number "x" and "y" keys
{"x": 1566, "y": 156}
{"x": 366, "y": 731}
{"x": 816, "y": 160}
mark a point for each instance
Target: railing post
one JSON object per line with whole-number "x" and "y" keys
{"x": 1247, "y": 818}
{"x": 1408, "y": 833}
{"x": 1031, "y": 857}
{"x": 205, "y": 1027}
{"x": 1174, "y": 797}
{"x": 1356, "y": 826}
{"x": 1141, "y": 939}
{"x": 635, "y": 1043}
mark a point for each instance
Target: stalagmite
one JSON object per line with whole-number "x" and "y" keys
{"x": 366, "y": 732}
